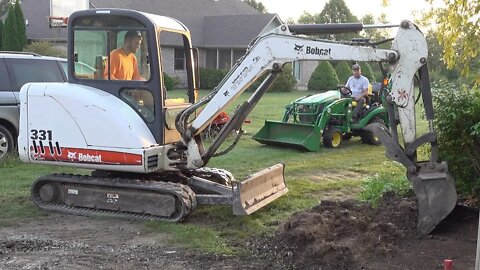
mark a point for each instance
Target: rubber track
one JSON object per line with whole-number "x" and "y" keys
{"x": 184, "y": 196}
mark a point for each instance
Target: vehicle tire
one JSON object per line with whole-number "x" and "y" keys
{"x": 332, "y": 137}
{"x": 7, "y": 144}
{"x": 368, "y": 137}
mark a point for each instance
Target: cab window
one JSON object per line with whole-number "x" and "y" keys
{"x": 113, "y": 48}
{"x": 141, "y": 100}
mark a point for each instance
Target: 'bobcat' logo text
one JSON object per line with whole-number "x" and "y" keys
{"x": 318, "y": 51}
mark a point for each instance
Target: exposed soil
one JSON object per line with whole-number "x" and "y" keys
{"x": 353, "y": 235}
{"x": 332, "y": 235}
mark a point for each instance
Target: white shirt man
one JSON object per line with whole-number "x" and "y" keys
{"x": 358, "y": 84}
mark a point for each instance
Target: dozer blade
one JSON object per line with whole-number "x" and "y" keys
{"x": 436, "y": 194}
{"x": 302, "y": 136}
{"x": 259, "y": 190}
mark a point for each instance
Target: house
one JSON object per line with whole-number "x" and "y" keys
{"x": 220, "y": 29}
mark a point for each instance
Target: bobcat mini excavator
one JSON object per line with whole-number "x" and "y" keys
{"x": 145, "y": 149}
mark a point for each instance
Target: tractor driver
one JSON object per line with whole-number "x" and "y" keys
{"x": 358, "y": 84}
{"x": 123, "y": 61}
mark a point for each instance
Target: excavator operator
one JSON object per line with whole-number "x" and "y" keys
{"x": 123, "y": 61}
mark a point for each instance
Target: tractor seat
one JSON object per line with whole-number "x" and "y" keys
{"x": 373, "y": 90}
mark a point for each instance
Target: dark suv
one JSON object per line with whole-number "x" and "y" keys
{"x": 17, "y": 69}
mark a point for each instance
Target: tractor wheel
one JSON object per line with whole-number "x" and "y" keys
{"x": 7, "y": 144}
{"x": 368, "y": 137}
{"x": 332, "y": 137}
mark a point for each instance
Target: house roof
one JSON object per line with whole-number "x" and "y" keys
{"x": 211, "y": 22}
{"x": 235, "y": 30}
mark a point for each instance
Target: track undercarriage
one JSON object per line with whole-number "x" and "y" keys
{"x": 168, "y": 196}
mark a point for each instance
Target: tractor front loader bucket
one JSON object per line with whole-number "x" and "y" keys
{"x": 302, "y": 136}
{"x": 259, "y": 190}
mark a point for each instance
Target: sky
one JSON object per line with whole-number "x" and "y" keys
{"x": 396, "y": 11}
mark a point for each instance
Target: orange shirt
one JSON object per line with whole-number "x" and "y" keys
{"x": 124, "y": 67}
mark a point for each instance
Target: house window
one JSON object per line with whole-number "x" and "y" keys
{"x": 179, "y": 59}
{"x": 224, "y": 59}
{"x": 211, "y": 61}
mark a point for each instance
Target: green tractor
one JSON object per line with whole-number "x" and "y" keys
{"x": 325, "y": 118}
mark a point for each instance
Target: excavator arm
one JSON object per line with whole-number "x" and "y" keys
{"x": 433, "y": 185}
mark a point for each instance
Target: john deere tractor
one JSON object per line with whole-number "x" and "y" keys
{"x": 326, "y": 118}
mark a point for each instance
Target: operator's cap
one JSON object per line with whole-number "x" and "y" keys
{"x": 131, "y": 34}
{"x": 355, "y": 67}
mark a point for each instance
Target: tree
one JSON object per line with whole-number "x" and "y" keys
{"x": 334, "y": 11}
{"x": 21, "y": 28}
{"x": 10, "y": 37}
{"x": 343, "y": 70}
{"x": 323, "y": 77}
{"x": 367, "y": 71}
{"x": 459, "y": 34}
{"x": 256, "y": 5}
{"x": 1, "y": 34}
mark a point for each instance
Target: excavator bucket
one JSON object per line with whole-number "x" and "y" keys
{"x": 259, "y": 190}
{"x": 436, "y": 194}
{"x": 433, "y": 185}
{"x": 302, "y": 136}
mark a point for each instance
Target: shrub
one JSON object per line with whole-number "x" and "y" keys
{"x": 344, "y": 71}
{"x": 457, "y": 123}
{"x": 323, "y": 77}
{"x": 210, "y": 78}
{"x": 168, "y": 81}
{"x": 373, "y": 187}
{"x": 367, "y": 71}
{"x": 285, "y": 82}
{"x": 45, "y": 48}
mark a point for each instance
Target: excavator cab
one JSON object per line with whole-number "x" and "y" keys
{"x": 124, "y": 49}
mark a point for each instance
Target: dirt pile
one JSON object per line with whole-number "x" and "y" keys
{"x": 353, "y": 235}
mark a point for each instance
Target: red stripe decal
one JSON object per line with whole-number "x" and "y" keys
{"x": 80, "y": 155}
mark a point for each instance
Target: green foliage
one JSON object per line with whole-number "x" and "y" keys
{"x": 459, "y": 34}
{"x": 1, "y": 34}
{"x": 323, "y": 77}
{"x": 438, "y": 69}
{"x": 10, "y": 38}
{"x": 168, "y": 81}
{"x": 210, "y": 78}
{"x": 373, "y": 187}
{"x": 458, "y": 126}
{"x": 285, "y": 82}
{"x": 45, "y": 48}
{"x": 256, "y": 5}
{"x": 367, "y": 71}
{"x": 344, "y": 71}
{"x": 21, "y": 28}
{"x": 334, "y": 11}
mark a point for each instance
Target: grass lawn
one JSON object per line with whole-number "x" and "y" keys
{"x": 311, "y": 177}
